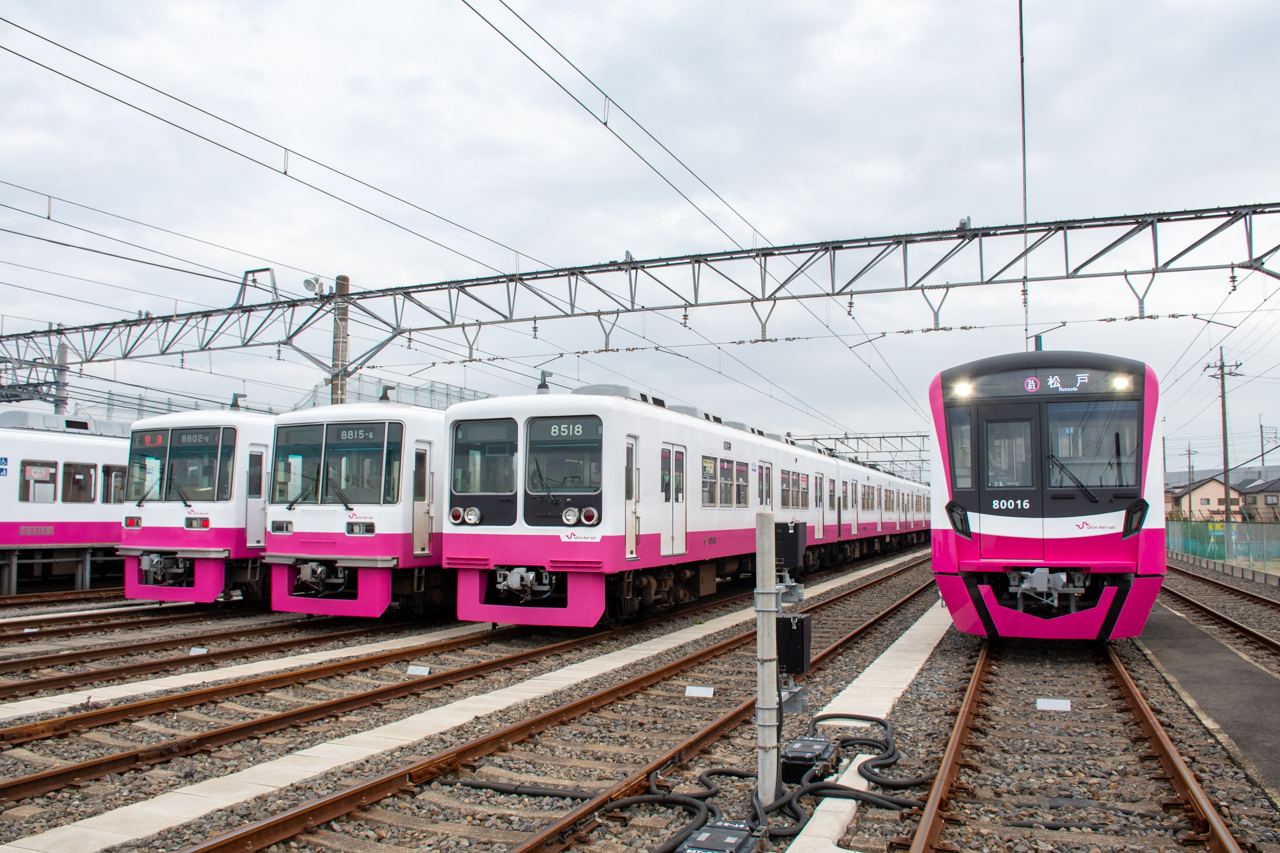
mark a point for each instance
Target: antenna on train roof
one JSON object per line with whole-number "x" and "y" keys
{"x": 235, "y": 401}
{"x": 543, "y": 387}
{"x": 386, "y": 394}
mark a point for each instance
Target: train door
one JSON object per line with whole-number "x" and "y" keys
{"x": 422, "y": 496}
{"x": 1009, "y": 491}
{"x": 820, "y": 504}
{"x": 672, "y": 517}
{"x": 764, "y": 485}
{"x": 255, "y": 511}
{"x": 632, "y": 496}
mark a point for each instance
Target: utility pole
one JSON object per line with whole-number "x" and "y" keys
{"x": 338, "y": 379}
{"x": 1190, "y": 480}
{"x": 1221, "y": 371}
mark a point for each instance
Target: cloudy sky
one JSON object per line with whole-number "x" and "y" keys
{"x": 814, "y": 120}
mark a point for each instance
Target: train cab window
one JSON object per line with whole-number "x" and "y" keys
{"x": 226, "y": 463}
{"x": 631, "y": 471}
{"x": 1097, "y": 442}
{"x": 742, "y": 483}
{"x": 564, "y": 455}
{"x": 255, "y": 475}
{"x": 484, "y": 457}
{"x": 391, "y": 464}
{"x": 353, "y": 463}
{"x": 39, "y": 483}
{"x": 804, "y": 490}
{"x": 296, "y": 468}
{"x": 148, "y": 453}
{"x": 77, "y": 483}
{"x": 726, "y": 482}
{"x": 785, "y": 502}
{"x": 1009, "y": 454}
{"x": 113, "y": 480}
{"x": 419, "y": 476}
{"x": 960, "y": 437}
{"x": 709, "y": 481}
{"x": 192, "y": 472}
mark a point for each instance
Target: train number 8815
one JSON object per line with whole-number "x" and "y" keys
{"x": 1016, "y": 504}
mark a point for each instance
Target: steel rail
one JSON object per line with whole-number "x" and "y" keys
{"x": 1268, "y": 642}
{"x": 1252, "y": 596}
{"x": 62, "y": 596}
{"x": 94, "y": 676}
{"x": 309, "y": 815}
{"x": 933, "y": 815}
{"x": 1213, "y": 829}
{"x": 119, "y": 624}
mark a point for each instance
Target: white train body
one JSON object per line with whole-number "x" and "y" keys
{"x": 350, "y": 516}
{"x": 61, "y": 489}
{"x": 563, "y": 505}
{"x": 195, "y": 524}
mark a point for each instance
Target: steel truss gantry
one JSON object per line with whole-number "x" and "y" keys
{"x": 930, "y": 263}
{"x": 904, "y": 454}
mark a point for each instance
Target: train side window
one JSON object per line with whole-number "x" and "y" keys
{"x": 665, "y": 467}
{"x": 255, "y": 475}
{"x": 678, "y": 477}
{"x": 708, "y": 481}
{"x": 844, "y": 494}
{"x": 831, "y": 494}
{"x": 113, "y": 480}
{"x": 419, "y": 476}
{"x": 960, "y": 437}
{"x": 786, "y": 489}
{"x": 804, "y": 490}
{"x": 742, "y": 483}
{"x": 226, "y": 462}
{"x": 726, "y": 482}
{"x": 39, "y": 483}
{"x": 391, "y": 463}
{"x": 77, "y": 483}
{"x": 879, "y": 500}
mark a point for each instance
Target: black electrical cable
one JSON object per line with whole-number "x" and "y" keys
{"x": 702, "y": 811}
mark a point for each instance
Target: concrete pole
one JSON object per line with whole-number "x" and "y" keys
{"x": 60, "y": 380}
{"x": 1226, "y": 464}
{"x": 768, "y": 714}
{"x": 338, "y": 380}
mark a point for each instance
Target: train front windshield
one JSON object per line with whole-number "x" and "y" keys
{"x": 1097, "y": 442}
{"x": 342, "y": 463}
{"x": 484, "y": 457}
{"x": 564, "y": 455}
{"x": 186, "y": 464}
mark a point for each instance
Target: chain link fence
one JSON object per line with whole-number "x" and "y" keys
{"x": 1251, "y": 544}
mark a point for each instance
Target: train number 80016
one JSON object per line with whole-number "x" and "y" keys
{"x": 1018, "y": 504}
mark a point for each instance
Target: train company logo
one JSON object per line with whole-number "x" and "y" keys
{"x": 575, "y": 536}
{"x": 1032, "y": 385}
{"x": 355, "y": 516}
{"x": 1086, "y": 525}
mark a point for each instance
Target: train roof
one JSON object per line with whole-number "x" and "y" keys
{"x": 380, "y": 410}
{"x": 1060, "y": 359}
{"x": 203, "y": 418}
{"x": 25, "y": 419}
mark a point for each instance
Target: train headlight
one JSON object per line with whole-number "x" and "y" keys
{"x": 589, "y": 515}
{"x": 1121, "y": 383}
{"x": 959, "y": 519}
{"x": 471, "y": 515}
{"x": 455, "y": 515}
{"x": 570, "y": 515}
{"x": 964, "y": 389}
{"x": 1134, "y": 516}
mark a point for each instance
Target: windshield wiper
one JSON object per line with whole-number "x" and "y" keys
{"x": 303, "y": 491}
{"x": 181, "y": 495}
{"x": 148, "y": 492}
{"x": 341, "y": 496}
{"x": 1064, "y": 469}
{"x": 543, "y": 480}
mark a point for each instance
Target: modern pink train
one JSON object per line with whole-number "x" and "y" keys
{"x": 194, "y": 529}
{"x": 61, "y": 493}
{"x": 1048, "y": 509}
{"x": 606, "y": 505}
{"x": 351, "y": 518}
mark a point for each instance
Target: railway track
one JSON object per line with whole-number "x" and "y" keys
{"x": 72, "y": 625}
{"x": 634, "y": 729}
{"x": 446, "y": 679}
{"x": 1108, "y": 776}
{"x": 63, "y": 596}
{"x": 1252, "y": 621}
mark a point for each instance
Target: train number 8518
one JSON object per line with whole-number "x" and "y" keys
{"x": 1018, "y": 504}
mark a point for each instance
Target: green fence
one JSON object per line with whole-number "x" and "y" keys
{"x": 1255, "y": 544}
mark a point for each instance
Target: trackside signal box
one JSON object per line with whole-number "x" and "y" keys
{"x": 789, "y": 542}
{"x": 795, "y": 639}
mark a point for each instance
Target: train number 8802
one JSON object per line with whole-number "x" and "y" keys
{"x": 1018, "y": 504}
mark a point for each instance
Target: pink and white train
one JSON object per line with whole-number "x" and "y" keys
{"x": 62, "y": 483}
{"x": 351, "y": 517}
{"x": 605, "y": 505}
{"x": 194, "y": 527}
{"x": 1048, "y": 510}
